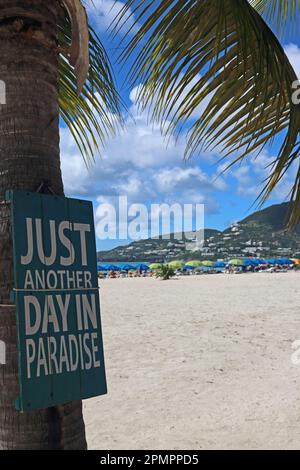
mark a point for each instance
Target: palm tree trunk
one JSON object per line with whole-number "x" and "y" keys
{"x": 29, "y": 155}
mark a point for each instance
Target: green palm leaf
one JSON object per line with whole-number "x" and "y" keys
{"x": 284, "y": 14}
{"x": 224, "y": 52}
{"x": 95, "y": 113}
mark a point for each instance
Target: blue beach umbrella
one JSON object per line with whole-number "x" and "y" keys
{"x": 187, "y": 267}
{"x": 127, "y": 267}
{"x": 112, "y": 267}
{"x": 261, "y": 261}
{"x": 101, "y": 267}
{"x": 251, "y": 262}
{"x": 272, "y": 261}
{"x": 220, "y": 264}
{"x": 280, "y": 261}
{"x": 286, "y": 261}
{"x": 142, "y": 267}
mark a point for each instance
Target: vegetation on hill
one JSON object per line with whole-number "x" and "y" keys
{"x": 262, "y": 234}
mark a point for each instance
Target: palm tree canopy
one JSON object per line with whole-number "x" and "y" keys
{"x": 89, "y": 103}
{"x": 223, "y": 53}
{"x": 281, "y": 13}
{"x": 190, "y": 53}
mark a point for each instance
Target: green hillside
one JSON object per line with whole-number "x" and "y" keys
{"x": 262, "y": 234}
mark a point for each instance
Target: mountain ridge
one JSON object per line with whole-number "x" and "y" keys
{"x": 261, "y": 234}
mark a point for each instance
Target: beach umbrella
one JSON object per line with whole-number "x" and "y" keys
{"x": 101, "y": 267}
{"x": 272, "y": 261}
{"x": 285, "y": 261}
{"x": 155, "y": 266}
{"x": 220, "y": 264}
{"x": 280, "y": 261}
{"x": 193, "y": 264}
{"x": 112, "y": 267}
{"x": 251, "y": 262}
{"x": 142, "y": 267}
{"x": 127, "y": 267}
{"x": 187, "y": 267}
{"x": 176, "y": 264}
{"x": 208, "y": 264}
{"x": 295, "y": 261}
{"x": 237, "y": 262}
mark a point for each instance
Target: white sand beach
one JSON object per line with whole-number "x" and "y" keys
{"x": 199, "y": 362}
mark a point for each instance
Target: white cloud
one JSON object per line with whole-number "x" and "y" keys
{"x": 190, "y": 177}
{"x": 198, "y": 111}
{"x": 104, "y": 12}
{"x": 252, "y": 176}
{"x": 138, "y": 148}
{"x": 293, "y": 53}
{"x": 141, "y": 164}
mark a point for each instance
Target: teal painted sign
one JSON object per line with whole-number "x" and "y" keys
{"x": 57, "y": 300}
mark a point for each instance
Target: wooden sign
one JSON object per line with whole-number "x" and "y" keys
{"x": 57, "y": 300}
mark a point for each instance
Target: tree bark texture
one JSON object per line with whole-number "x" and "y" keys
{"x": 29, "y": 159}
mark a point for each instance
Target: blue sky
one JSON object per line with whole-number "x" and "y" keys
{"x": 139, "y": 163}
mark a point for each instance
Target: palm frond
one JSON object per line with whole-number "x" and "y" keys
{"x": 92, "y": 109}
{"x": 283, "y": 14}
{"x": 78, "y": 53}
{"x": 224, "y": 52}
